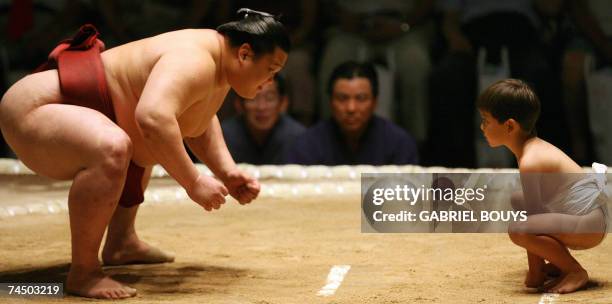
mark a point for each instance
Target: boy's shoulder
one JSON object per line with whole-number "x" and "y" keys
{"x": 540, "y": 157}
{"x": 534, "y": 163}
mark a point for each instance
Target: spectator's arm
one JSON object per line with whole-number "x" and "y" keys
{"x": 308, "y": 11}
{"x": 549, "y": 8}
{"x": 581, "y": 14}
{"x": 421, "y": 12}
{"x": 199, "y": 9}
{"x": 217, "y": 10}
{"x": 451, "y": 29}
{"x": 108, "y": 10}
{"x": 347, "y": 21}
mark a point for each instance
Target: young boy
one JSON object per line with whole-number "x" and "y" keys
{"x": 566, "y": 207}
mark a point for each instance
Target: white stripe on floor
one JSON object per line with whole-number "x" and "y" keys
{"x": 548, "y": 298}
{"x": 334, "y": 279}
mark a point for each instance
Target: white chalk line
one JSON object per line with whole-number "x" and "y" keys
{"x": 290, "y": 172}
{"x": 334, "y": 279}
{"x": 548, "y": 298}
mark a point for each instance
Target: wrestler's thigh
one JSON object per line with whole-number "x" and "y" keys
{"x": 58, "y": 140}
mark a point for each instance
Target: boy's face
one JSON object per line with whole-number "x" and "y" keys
{"x": 352, "y": 103}
{"x": 255, "y": 72}
{"x": 493, "y": 130}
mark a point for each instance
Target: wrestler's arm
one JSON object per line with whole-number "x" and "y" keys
{"x": 172, "y": 87}
{"x": 211, "y": 149}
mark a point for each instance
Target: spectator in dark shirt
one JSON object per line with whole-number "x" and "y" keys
{"x": 261, "y": 133}
{"x": 354, "y": 135}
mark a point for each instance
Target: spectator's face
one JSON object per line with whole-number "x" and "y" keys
{"x": 255, "y": 72}
{"x": 352, "y": 103}
{"x": 263, "y": 111}
{"x": 493, "y": 130}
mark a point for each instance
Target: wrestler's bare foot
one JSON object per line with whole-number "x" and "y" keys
{"x": 535, "y": 279}
{"x": 134, "y": 252}
{"x": 96, "y": 285}
{"x": 571, "y": 282}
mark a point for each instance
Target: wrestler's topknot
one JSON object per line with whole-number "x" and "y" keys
{"x": 261, "y": 30}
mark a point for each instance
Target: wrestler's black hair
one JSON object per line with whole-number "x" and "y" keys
{"x": 353, "y": 69}
{"x": 262, "y": 31}
{"x": 512, "y": 98}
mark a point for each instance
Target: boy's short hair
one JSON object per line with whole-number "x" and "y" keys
{"x": 353, "y": 69}
{"x": 511, "y": 98}
{"x": 262, "y": 31}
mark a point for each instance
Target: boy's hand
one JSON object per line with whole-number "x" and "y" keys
{"x": 207, "y": 192}
{"x": 241, "y": 186}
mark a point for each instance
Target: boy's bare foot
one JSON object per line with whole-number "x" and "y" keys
{"x": 550, "y": 284}
{"x": 571, "y": 282}
{"x": 535, "y": 279}
{"x": 96, "y": 285}
{"x": 135, "y": 252}
{"x": 551, "y": 270}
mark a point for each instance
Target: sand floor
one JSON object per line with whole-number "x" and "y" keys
{"x": 281, "y": 251}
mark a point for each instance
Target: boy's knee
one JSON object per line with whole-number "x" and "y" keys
{"x": 517, "y": 200}
{"x": 518, "y": 238}
{"x": 518, "y": 232}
